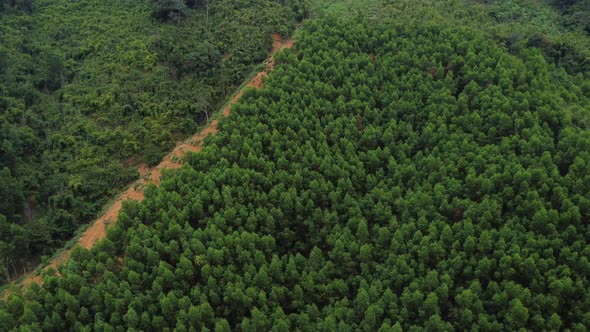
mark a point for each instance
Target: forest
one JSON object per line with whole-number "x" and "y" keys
{"x": 91, "y": 89}
{"x": 408, "y": 166}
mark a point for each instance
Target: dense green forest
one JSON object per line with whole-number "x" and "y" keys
{"x": 408, "y": 166}
{"x": 89, "y": 89}
{"x": 559, "y": 28}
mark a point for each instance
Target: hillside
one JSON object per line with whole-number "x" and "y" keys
{"x": 149, "y": 176}
{"x": 407, "y": 166}
{"x": 92, "y": 90}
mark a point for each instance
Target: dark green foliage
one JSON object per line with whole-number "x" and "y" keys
{"x": 560, "y": 30}
{"x": 89, "y": 89}
{"x": 577, "y": 13}
{"x": 23, "y": 5}
{"x": 392, "y": 175}
{"x": 166, "y": 10}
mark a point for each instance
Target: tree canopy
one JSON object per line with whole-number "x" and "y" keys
{"x": 90, "y": 89}
{"x": 392, "y": 174}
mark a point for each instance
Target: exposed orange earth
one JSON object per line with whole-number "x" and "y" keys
{"x": 152, "y": 175}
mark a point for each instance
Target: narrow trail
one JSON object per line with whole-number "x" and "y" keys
{"x": 153, "y": 175}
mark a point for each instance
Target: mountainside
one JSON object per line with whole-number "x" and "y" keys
{"x": 91, "y": 89}
{"x": 407, "y": 166}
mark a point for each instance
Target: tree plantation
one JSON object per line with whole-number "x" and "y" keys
{"x": 89, "y": 89}
{"x": 394, "y": 173}
{"x": 408, "y": 166}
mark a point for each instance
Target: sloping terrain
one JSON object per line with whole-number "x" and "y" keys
{"x": 153, "y": 175}
{"x": 91, "y": 89}
{"x": 403, "y": 168}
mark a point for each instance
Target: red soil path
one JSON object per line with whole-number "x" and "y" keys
{"x": 153, "y": 175}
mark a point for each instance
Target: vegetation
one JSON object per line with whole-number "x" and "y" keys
{"x": 89, "y": 89}
{"x": 398, "y": 171}
{"x": 558, "y": 28}
{"x": 394, "y": 175}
